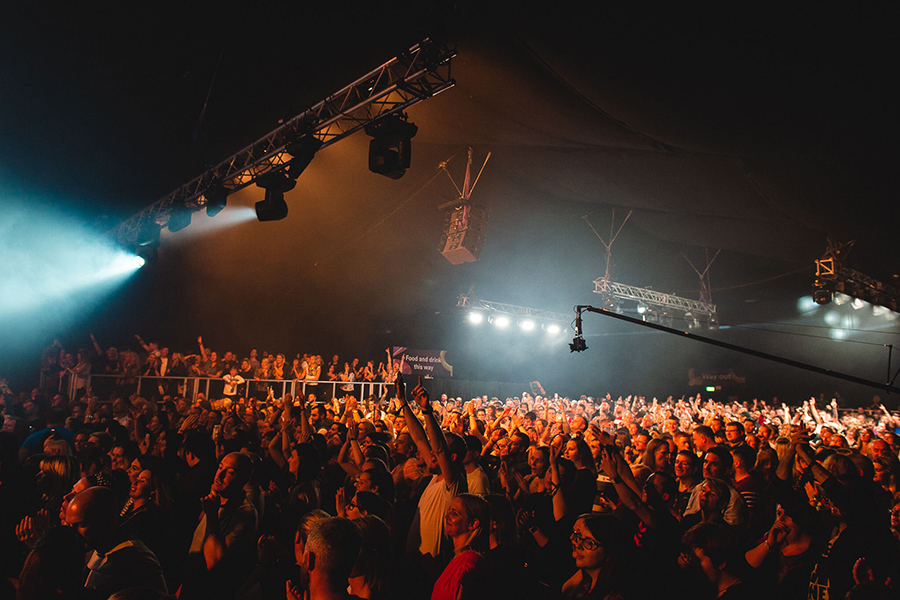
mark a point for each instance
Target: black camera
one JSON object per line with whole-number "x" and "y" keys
{"x": 578, "y": 345}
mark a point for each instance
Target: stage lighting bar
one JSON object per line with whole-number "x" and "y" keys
{"x": 502, "y": 315}
{"x": 214, "y": 198}
{"x": 500, "y": 320}
{"x": 652, "y": 304}
{"x": 836, "y": 282}
{"x": 407, "y": 79}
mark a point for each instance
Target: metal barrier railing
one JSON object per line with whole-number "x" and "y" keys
{"x": 190, "y": 387}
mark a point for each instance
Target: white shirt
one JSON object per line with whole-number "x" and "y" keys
{"x": 478, "y": 482}
{"x": 427, "y": 527}
{"x": 231, "y": 383}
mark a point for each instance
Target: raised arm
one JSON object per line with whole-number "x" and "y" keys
{"x": 280, "y": 448}
{"x": 96, "y": 345}
{"x": 347, "y": 463}
{"x": 436, "y": 436}
{"x": 820, "y": 473}
{"x": 623, "y": 471}
{"x": 786, "y": 466}
{"x": 610, "y": 463}
{"x": 142, "y": 343}
{"x": 413, "y": 426}
{"x": 559, "y": 500}
{"x": 305, "y": 427}
{"x": 203, "y": 352}
{"x": 815, "y": 413}
{"x": 505, "y": 413}
{"x": 356, "y": 453}
{"x": 275, "y": 451}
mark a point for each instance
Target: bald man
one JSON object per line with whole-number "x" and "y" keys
{"x": 117, "y": 563}
{"x": 223, "y": 549}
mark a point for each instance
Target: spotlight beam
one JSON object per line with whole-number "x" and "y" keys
{"x": 887, "y": 387}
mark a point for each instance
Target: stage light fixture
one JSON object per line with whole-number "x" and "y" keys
{"x": 553, "y": 329}
{"x": 273, "y": 207}
{"x": 642, "y": 308}
{"x": 857, "y": 304}
{"x": 179, "y": 218}
{"x": 138, "y": 262}
{"x": 526, "y": 324}
{"x": 475, "y": 317}
{"x": 216, "y": 199}
{"x": 840, "y": 299}
{"x": 822, "y": 297}
{"x": 302, "y": 151}
{"x": 501, "y": 321}
{"x": 390, "y": 149}
{"x": 148, "y": 255}
{"x": 148, "y": 234}
{"x": 692, "y": 321}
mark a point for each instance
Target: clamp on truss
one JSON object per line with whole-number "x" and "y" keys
{"x": 834, "y": 277}
{"x": 415, "y": 75}
{"x": 648, "y": 300}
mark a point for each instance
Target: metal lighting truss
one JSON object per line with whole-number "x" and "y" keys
{"x": 833, "y": 276}
{"x": 403, "y": 81}
{"x": 651, "y": 298}
{"x": 513, "y": 310}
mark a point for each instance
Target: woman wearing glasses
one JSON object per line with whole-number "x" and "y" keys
{"x": 599, "y": 542}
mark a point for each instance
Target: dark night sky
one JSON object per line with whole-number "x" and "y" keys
{"x": 760, "y": 133}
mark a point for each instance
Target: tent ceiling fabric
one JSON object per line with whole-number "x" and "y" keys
{"x": 731, "y": 127}
{"x": 726, "y": 179}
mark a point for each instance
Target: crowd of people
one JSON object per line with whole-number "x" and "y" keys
{"x": 119, "y": 370}
{"x": 405, "y": 495}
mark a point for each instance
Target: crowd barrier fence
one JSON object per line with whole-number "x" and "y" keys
{"x": 104, "y": 385}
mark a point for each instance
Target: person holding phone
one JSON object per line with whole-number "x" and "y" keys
{"x": 444, "y": 453}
